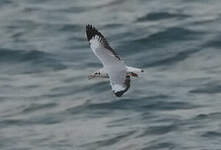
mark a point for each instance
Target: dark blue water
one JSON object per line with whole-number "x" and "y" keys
{"x": 47, "y": 102}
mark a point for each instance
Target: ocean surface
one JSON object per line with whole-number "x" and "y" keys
{"x": 48, "y": 103}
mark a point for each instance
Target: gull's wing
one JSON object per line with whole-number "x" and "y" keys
{"x": 115, "y": 68}
{"x": 100, "y": 46}
{"x": 120, "y": 81}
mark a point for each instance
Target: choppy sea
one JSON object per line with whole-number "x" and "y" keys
{"x": 48, "y": 103}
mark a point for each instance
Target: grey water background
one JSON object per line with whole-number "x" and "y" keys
{"x": 47, "y": 102}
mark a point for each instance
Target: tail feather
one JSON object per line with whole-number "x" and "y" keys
{"x": 134, "y": 70}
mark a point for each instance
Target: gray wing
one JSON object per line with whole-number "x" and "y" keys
{"x": 120, "y": 81}
{"x": 115, "y": 68}
{"x": 92, "y": 32}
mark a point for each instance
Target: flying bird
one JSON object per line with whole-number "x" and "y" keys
{"x": 113, "y": 67}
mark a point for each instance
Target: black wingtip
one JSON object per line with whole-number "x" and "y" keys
{"x": 119, "y": 94}
{"x": 127, "y": 83}
{"x": 89, "y": 28}
{"x": 91, "y": 31}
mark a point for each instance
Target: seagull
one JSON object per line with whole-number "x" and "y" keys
{"x": 114, "y": 68}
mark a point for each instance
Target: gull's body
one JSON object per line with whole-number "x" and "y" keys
{"x": 113, "y": 68}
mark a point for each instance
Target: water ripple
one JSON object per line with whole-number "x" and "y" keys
{"x": 47, "y": 102}
{"x": 161, "y": 15}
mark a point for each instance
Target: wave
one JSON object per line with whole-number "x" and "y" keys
{"x": 180, "y": 56}
{"x": 170, "y": 35}
{"x": 213, "y": 43}
{"x": 124, "y": 104}
{"x": 159, "y": 130}
{"x": 212, "y": 134}
{"x": 154, "y": 16}
{"x": 213, "y": 88}
{"x": 29, "y": 61}
{"x": 109, "y": 141}
{"x": 161, "y": 39}
{"x": 38, "y": 107}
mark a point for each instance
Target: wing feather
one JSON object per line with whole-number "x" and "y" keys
{"x": 92, "y": 32}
